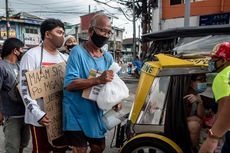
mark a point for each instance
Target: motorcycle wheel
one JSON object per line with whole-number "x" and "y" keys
{"x": 147, "y": 145}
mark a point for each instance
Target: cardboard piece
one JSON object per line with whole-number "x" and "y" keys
{"x": 92, "y": 92}
{"x": 46, "y": 81}
{"x": 53, "y": 109}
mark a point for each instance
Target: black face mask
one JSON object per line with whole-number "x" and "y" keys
{"x": 69, "y": 47}
{"x": 19, "y": 57}
{"x": 99, "y": 40}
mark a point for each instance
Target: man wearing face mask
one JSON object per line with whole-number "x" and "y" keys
{"x": 69, "y": 42}
{"x": 195, "y": 108}
{"x": 82, "y": 120}
{"x": 220, "y": 63}
{"x": 12, "y": 109}
{"x": 52, "y": 34}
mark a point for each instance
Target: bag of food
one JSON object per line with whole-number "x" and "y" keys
{"x": 112, "y": 92}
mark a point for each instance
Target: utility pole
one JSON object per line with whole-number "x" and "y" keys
{"x": 187, "y": 13}
{"x": 139, "y": 37}
{"x": 114, "y": 45}
{"x": 134, "y": 31}
{"x": 7, "y": 19}
{"x": 145, "y": 24}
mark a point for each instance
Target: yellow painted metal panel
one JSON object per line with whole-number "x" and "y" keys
{"x": 148, "y": 71}
{"x": 170, "y": 61}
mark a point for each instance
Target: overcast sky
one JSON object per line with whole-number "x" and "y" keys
{"x": 69, "y": 10}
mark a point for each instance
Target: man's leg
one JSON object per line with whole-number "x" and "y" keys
{"x": 25, "y": 134}
{"x": 97, "y": 145}
{"x": 11, "y": 131}
{"x": 194, "y": 127}
{"x": 20, "y": 150}
{"x": 79, "y": 149}
{"x": 77, "y": 140}
{"x": 39, "y": 140}
{"x": 97, "y": 148}
{"x": 61, "y": 147}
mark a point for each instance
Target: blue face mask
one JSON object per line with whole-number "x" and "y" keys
{"x": 211, "y": 66}
{"x": 201, "y": 87}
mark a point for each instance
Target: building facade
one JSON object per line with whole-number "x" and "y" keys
{"x": 23, "y": 26}
{"x": 170, "y": 13}
{"x": 115, "y": 41}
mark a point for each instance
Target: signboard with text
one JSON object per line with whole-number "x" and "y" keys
{"x": 12, "y": 31}
{"x": 53, "y": 109}
{"x": 31, "y": 39}
{"x": 214, "y": 19}
{"x": 47, "y": 82}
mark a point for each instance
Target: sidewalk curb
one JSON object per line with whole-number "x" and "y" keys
{"x": 130, "y": 80}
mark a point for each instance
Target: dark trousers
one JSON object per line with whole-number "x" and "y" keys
{"x": 226, "y": 146}
{"x": 40, "y": 141}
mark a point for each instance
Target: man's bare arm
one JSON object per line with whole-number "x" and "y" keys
{"x": 222, "y": 123}
{"x": 77, "y": 84}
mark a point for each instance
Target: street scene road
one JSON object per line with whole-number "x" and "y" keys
{"x": 132, "y": 85}
{"x": 181, "y": 49}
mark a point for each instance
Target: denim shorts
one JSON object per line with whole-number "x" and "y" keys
{"x": 17, "y": 134}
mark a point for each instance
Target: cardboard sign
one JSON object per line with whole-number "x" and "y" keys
{"x": 46, "y": 81}
{"x": 53, "y": 109}
{"x": 92, "y": 92}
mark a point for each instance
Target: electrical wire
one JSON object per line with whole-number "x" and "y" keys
{"x": 117, "y": 8}
{"x": 50, "y": 3}
{"x": 63, "y": 12}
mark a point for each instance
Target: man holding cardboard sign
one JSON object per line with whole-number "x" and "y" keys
{"x": 52, "y": 33}
{"x": 82, "y": 120}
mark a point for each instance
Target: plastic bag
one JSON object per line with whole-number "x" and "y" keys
{"x": 112, "y": 92}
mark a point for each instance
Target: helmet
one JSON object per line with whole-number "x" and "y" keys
{"x": 222, "y": 50}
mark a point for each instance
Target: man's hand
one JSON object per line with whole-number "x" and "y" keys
{"x": 193, "y": 98}
{"x": 209, "y": 145}
{"x": 106, "y": 76}
{"x": 44, "y": 121}
{"x": 1, "y": 118}
{"x": 117, "y": 107}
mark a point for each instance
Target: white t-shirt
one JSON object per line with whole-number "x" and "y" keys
{"x": 31, "y": 61}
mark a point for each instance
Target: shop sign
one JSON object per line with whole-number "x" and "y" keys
{"x": 214, "y": 19}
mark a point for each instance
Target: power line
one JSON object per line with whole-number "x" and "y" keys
{"x": 53, "y": 3}
{"x": 47, "y": 6}
{"x": 23, "y": 5}
{"x": 117, "y": 8}
{"x": 57, "y": 12}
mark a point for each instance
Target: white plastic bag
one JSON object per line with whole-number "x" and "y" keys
{"x": 112, "y": 92}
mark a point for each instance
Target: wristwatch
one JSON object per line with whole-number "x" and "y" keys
{"x": 212, "y": 135}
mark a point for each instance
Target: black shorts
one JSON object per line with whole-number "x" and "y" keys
{"x": 79, "y": 139}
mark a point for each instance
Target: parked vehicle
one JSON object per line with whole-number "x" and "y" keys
{"x": 157, "y": 121}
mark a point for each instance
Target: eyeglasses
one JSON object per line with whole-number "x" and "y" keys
{"x": 105, "y": 31}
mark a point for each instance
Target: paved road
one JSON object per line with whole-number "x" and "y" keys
{"x": 132, "y": 87}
